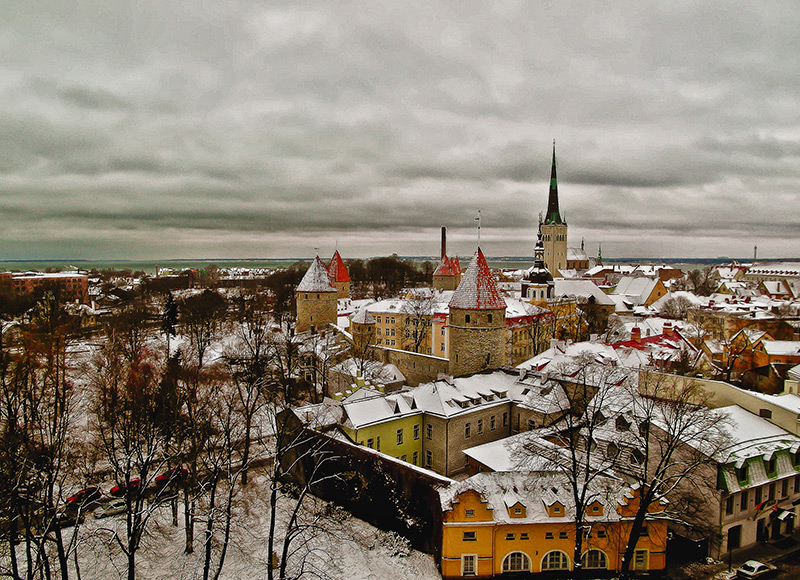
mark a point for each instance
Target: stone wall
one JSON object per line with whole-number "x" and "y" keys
{"x": 315, "y": 309}
{"x": 417, "y": 368}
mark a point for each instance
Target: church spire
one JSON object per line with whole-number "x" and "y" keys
{"x": 553, "y": 215}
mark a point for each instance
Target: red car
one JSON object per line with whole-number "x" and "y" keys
{"x": 119, "y": 490}
{"x": 84, "y": 496}
{"x": 172, "y": 476}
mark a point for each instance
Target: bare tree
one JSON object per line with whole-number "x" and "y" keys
{"x": 133, "y": 418}
{"x": 679, "y": 439}
{"x": 417, "y": 321}
{"x": 570, "y": 446}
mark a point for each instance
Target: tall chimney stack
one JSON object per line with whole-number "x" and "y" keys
{"x": 444, "y": 242}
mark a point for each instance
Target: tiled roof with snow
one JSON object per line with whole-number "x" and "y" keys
{"x": 781, "y": 347}
{"x": 337, "y": 270}
{"x": 447, "y": 267}
{"x": 316, "y": 278}
{"x": 363, "y": 317}
{"x": 478, "y": 288}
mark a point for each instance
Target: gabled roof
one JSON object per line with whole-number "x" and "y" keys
{"x": 316, "y": 279}
{"x": 337, "y": 270}
{"x": 478, "y": 288}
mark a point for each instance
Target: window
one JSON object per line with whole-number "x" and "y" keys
{"x": 741, "y": 473}
{"x": 562, "y": 535}
{"x": 531, "y": 424}
{"x": 784, "y": 488}
{"x": 428, "y": 459}
{"x": 556, "y": 509}
{"x": 370, "y": 443}
{"x": 379, "y": 321}
{"x": 505, "y": 419}
{"x": 797, "y": 483}
{"x": 402, "y": 458}
{"x": 429, "y": 431}
{"x": 511, "y": 537}
{"x": 601, "y": 533}
{"x": 491, "y": 423}
{"x": 640, "y": 560}
{"x": 523, "y": 536}
{"x": 399, "y": 436}
{"x": 377, "y": 332}
{"x": 644, "y": 531}
{"x": 466, "y": 430}
{"x": 771, "y": 491}
{"x": 594, "y": 559}
{"x": 466, "y": 318}
{"x": 517, "y": 510}
{"x": 392, "y": 319}
{"x": 416, "y": 432}
{"x": 771, "y": 466}
{"x": 468, "y": 567}
{"x": 469, "y": 536}
{"x": 469, "y": 513}
{"x": 516, "y": 562}
{"x": 743, "y": 501}
{"x": 415, "y": 457}
{"x": 490, "y": 318}
{"x": 480, "y": 426}
{"x": 729, "y": 505}
{"x": 548, "y": 535}
{"x": 757, "y": 496}
{"x": 378, "y": 443}
{"x": 555, "y": 560}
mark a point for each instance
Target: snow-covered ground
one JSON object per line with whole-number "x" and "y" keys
{"x": 348, "y": 549}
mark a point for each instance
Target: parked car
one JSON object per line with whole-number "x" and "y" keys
{"x": 85, "y": 496}
{"x": 120, "y": 490}
{"x": 111, "y": 508}
{"x": 755, "y": 569}
{"x": 172, "y": 476}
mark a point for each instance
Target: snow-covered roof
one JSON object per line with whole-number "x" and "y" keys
{"x": 316, "y": 278}
{"x": 478, "y": 288}
{"x": 580, "y": 288}
{"x": 781, "y": 347}
{"x": 363, "y": 317}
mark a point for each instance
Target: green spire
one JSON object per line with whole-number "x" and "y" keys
{"x": 553, "y": 215}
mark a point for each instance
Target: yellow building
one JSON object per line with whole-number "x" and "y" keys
{"x": 503, "y": 523}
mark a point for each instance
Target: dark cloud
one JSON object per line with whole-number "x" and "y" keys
{"x": 246, "y": 128}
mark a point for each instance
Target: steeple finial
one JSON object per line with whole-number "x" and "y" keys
{"x": 478, "y": 219}
{"x": 553, "y": 214}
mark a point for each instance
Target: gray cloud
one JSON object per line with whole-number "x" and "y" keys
{"x": 167, "y": 129}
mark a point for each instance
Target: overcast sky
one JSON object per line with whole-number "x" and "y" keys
{"x": 232, "y": 129}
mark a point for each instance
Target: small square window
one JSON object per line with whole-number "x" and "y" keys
{"x": 511, "y": 537}
{"x": 469, "y": 513}
{"x": 548, "y": 535}
{"x": 601, "y": 533}
{"x": 523, "y": 536}
{"x": 562, "y": 535}
{"x": 469, "y": 536}
{"x": 517, "y": 510}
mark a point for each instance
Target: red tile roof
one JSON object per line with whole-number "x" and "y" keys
{"x": 448, "y": 267}
{"x": 337, "y": 269}
{"x": 478, "y": 289}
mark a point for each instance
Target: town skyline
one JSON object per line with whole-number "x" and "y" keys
{"x": 162, "y": 132}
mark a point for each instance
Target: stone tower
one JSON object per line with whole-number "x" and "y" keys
{"x": 339, "y": 275}
{"x": 316, "y": 298}
{"x": 448, "y": 273}
{"x": 362, "y": 329}
{"x": 477, "y": 321}
{"x": 554, "y": 229}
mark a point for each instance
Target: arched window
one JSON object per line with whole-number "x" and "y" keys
{"x": 516, "y": 562}
{"x": 594, "y": 559}
{"x": 555, "y": 560}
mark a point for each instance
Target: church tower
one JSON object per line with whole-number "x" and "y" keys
{"x": 537, "y": 285}
{"x": 554, "y": 229}
{"x": 477, "y": 321}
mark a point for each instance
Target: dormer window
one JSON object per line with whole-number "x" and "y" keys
{"x": 517, "y": 510}
{"x": 771, "y": 465}
{"x": 741, "y": 473}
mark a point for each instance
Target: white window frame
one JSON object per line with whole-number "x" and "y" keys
{"x": 473, "y": 558}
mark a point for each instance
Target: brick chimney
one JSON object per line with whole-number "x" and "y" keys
{"x": 444, "y": 242}
{"x": 668, "y": 328}
{"x": 636, "y": 334}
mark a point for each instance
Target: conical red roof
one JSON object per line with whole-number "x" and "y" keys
{"x": 337, "y": 270}
{"x": 447, "y": 267}
{"x": 478, "y": 289}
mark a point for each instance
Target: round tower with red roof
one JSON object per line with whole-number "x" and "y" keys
{"x": 316, "y": 298}
{"x": 477, "y": 329}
